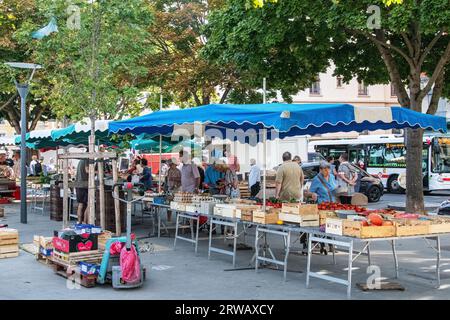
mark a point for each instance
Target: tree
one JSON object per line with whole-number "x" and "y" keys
{"x": 398, "y": 41}
{"x": 94, "y": 62}
{"x": 178, "y": 68}
{"x": 13, "y": 15}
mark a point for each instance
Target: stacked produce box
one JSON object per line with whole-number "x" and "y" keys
{"x": 9, "y": 243}
{"x": 359, "y": 222}
{"x": 305, "y": 215}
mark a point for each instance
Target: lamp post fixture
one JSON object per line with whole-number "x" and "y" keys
{"x": 23, "y": 89}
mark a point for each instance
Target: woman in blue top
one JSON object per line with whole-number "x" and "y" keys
{"x": 146, "y": 177}
{"x": 323, "y": 185}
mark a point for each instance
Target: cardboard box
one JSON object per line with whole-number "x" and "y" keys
{"x": 76, "y": 243}
{"x": 334, "y": 226}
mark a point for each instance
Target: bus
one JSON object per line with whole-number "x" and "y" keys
{"x": 384, "y": 156}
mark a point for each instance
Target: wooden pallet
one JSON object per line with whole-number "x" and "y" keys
{"x": 9, "y": 255}
{"x": 47, "y": 260}
{"x": 93, "y": 256}
{"x": 73, "y": 273}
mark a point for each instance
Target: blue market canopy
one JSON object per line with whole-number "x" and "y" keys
{"x": 79, "y": 132}
{"x": 282, "y": 120}
{"x": 143, "y": 142}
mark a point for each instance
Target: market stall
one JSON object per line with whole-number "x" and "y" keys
{"x": 257, "y": 123}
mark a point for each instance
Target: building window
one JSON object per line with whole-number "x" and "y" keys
{"x": 362, "y": 89}
{"x": 393, "y": 91}
{"x": 315, "y": 87}
{"x": 339, "y": 82}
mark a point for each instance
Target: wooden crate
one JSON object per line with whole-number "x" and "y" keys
{"x": 93, "y": 256}
{"x": 356, "y": 229}
{"x": 411, "y": 227}
{"x": 439, "y": 224}
{"x": 73, "y": 273}
{"x": 300, "y": 208}
{"x": 265, "y": 217}
{"x": 324, "y": 214}
{"x": 103, "y": 238}
{"x": 311, "y": 220}
{"x": 2, "y": 212}
{"x": 247, "y": 215}
{"x": 9, "y": 255}
{"x": 8, "y": 236}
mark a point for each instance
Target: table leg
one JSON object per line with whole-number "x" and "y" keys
{"x": 308, "y": 264}
{"x": 196, "y": 234}
{"x": 235, "y": 235}
{"x": 176, "y": 232}
{"x": 350, "y": 269}
{"x": 288, "y": 245}
{"x": 211, "y": 224}
{"x": 256, "y": 249}
{"x": 438, "y": 261}
{"x": 368, "y": 254}
{"x": 159, "y": 223}
{"x": 394, "y": 252}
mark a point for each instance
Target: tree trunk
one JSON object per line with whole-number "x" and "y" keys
{"x": 414, "y": 146}
{"x": 414, "y": 179}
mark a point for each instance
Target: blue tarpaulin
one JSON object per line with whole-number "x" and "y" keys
{"x": 282, "y": 120}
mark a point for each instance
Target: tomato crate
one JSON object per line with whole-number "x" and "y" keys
{"x": 411, "y": 227}
{"x": 247, "y": 215}
{"x": 310, "y": 220}
{"x": 324, "y": 214}
{"x": 357, "y": 230}
{"x": 265, "y": 217}
{"x": 300, "y": 208}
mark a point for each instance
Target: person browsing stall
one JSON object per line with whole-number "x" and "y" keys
{"x": 323, "y": 185}
{"x": 212, "y": 176}
{"x": 254, "y": 178}
{"x": 190, "y": 177}
{"x": 289, "y": 179}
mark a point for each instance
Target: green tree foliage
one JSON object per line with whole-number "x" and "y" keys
{"x": 95, "y": 70}
{"x": 13, "y": 15}
{"x": 378, "y": 41}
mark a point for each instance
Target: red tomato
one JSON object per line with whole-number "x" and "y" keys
{"x": 375, "y": 219}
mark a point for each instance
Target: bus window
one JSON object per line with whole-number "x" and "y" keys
{"x": 395, "y": 156}
{"x": 376, "y": 158}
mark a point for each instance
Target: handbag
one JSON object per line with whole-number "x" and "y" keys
{"x": 342, "y": 186}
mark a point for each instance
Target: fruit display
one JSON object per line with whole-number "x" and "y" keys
{"x": 340, "y": 206}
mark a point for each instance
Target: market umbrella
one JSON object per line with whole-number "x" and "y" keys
{"x": 256, "y": 122}
{"x": 78, "y": 133}
{"x": 282, "y": 120}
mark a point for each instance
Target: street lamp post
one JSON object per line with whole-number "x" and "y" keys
{"x": 23, "y": 89}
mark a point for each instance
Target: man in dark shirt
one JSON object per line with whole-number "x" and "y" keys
{"x": 82, "y": 190}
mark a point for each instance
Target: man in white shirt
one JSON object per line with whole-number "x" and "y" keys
{"x": 254, "y": 178}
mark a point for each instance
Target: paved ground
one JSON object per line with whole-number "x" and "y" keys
{"x": 181, "y": 275}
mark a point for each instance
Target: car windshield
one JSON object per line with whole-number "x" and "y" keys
{"x": 315, "y": 157}
{"x": 440, "y": 161}
{"x": 310, "y": 171}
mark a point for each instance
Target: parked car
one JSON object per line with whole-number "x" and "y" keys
{"x": 371, "y": 186}
{"x": 315, "y": 157}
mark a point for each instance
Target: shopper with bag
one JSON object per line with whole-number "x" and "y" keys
{"x": 323, "y": 185}
{"x": 346, "y": 180}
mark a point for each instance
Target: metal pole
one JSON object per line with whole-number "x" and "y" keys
{"x": 264, "y": 167}
{"x": 264, "y": 150}
{"x": 264, "y": 91}
{"x": 23, "y": 92}
{"x": 160, "y": 146}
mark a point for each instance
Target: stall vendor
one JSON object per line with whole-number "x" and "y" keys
{"x": 323, "y": 185}
{"x": 146, "y": 178}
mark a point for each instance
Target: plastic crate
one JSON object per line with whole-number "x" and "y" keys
{"x": 89, "y": 268}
